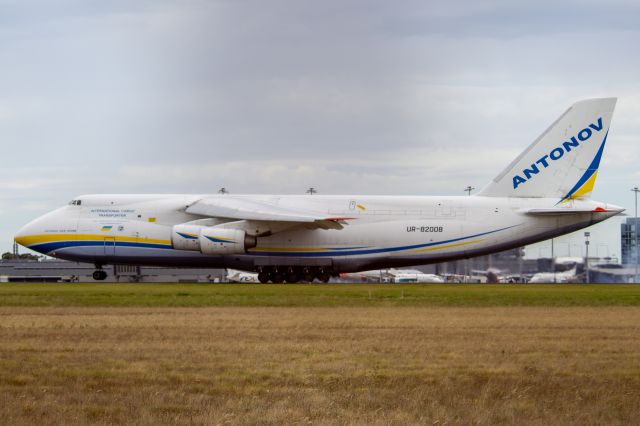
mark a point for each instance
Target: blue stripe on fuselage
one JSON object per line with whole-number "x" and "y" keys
{"x": 49, "y": 247}
{"x": 52, "y": 246}
{"x": 370, "y": 251}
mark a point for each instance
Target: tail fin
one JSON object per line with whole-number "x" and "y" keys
{"x": 563, "y": 162}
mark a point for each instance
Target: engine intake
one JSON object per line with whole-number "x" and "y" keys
{"x": 186, "y": 237}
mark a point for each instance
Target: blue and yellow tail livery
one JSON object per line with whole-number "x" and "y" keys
{"x": 563, "y": 162}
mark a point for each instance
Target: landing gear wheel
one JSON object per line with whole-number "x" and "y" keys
{"x": 323, "y": 275}
{"x": 99, "y": 275}
{"x": 292, "y": 276}
{"x": 263, "y": 277}
{"x": 307, "y": 275}
{"x": 277, "y": 277}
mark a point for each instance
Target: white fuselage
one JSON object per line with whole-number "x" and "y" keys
{"x": 378, "y": 231}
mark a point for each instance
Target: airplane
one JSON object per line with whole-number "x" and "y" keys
{"x": 566, "y": 271}
{"x": 375, "y": 276}
{"x": 570, "y": 276}
{"x": 543, "y": 193}
{"x": 235, "y": 276}
{"x": 415, "y": 276}
{"x": 392, "y": 276}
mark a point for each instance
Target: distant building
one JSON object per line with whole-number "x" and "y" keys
{"x": 611, "y": 273}
{"x": 53, "y": 270}
{"x": 628, "y": 236}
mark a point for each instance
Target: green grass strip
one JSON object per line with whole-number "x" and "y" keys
{"x": 318, "y": 295}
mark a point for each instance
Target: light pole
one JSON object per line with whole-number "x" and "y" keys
{"x": 586, "y": 259}
{"x": 635, "y": 230}
{"x": 553, "y": 262}
{"x": 311, "y": 191}
{"x": 520, "y": 256}
{"x": 468, "y": 189}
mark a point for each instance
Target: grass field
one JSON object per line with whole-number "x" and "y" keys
{"x": 317, "y": 295}
{"x": 167, "y": 354}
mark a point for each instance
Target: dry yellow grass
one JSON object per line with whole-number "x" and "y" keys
{"x": 468, "y": 365}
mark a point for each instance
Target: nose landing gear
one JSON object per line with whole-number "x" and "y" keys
{"x": 99, "y": 274}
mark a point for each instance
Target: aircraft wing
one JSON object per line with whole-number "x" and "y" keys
{"x": 229, "y": 207}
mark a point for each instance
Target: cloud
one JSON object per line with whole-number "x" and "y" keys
{"x": 350, "y": 97}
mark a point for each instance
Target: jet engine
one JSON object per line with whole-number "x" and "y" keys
{"x": 186, "y": 237}
{"x": 225, "y": 241}
{"x": 211, "y": 239}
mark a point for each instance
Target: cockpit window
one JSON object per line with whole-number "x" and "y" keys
{"x": 75, "y": 202}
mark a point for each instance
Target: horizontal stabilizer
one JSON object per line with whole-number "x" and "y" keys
{"x": 566, "y": 211}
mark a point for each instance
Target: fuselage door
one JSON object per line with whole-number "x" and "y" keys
{"x": 109, "y": 246}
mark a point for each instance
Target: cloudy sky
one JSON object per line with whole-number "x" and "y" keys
{"x": 349, "y": 96}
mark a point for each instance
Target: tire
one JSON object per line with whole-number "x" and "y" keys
{"x": 263, "y": 277}
{"x": 307, "y": 275}
{"x": 99, "y": 275}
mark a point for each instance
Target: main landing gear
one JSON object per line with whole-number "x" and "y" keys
{"x": 99, "y": 274}
{"x": 293, "y": 274}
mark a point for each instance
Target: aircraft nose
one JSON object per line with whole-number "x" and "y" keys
{"x": 35, "y": 234}
{"x": 31, "y": 234}
{"x": 24, "y": 234}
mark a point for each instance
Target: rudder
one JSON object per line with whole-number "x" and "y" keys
{"x": 563, "y": 162}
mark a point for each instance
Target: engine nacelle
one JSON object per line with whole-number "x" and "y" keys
{"x": 186, "y": 237}
{"x": 215, "y": 240}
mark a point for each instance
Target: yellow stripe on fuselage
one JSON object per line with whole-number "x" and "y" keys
{"x": 289, "y": 249}
{"x": 30, "y": 240}
{"x": 447, "y": 246}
